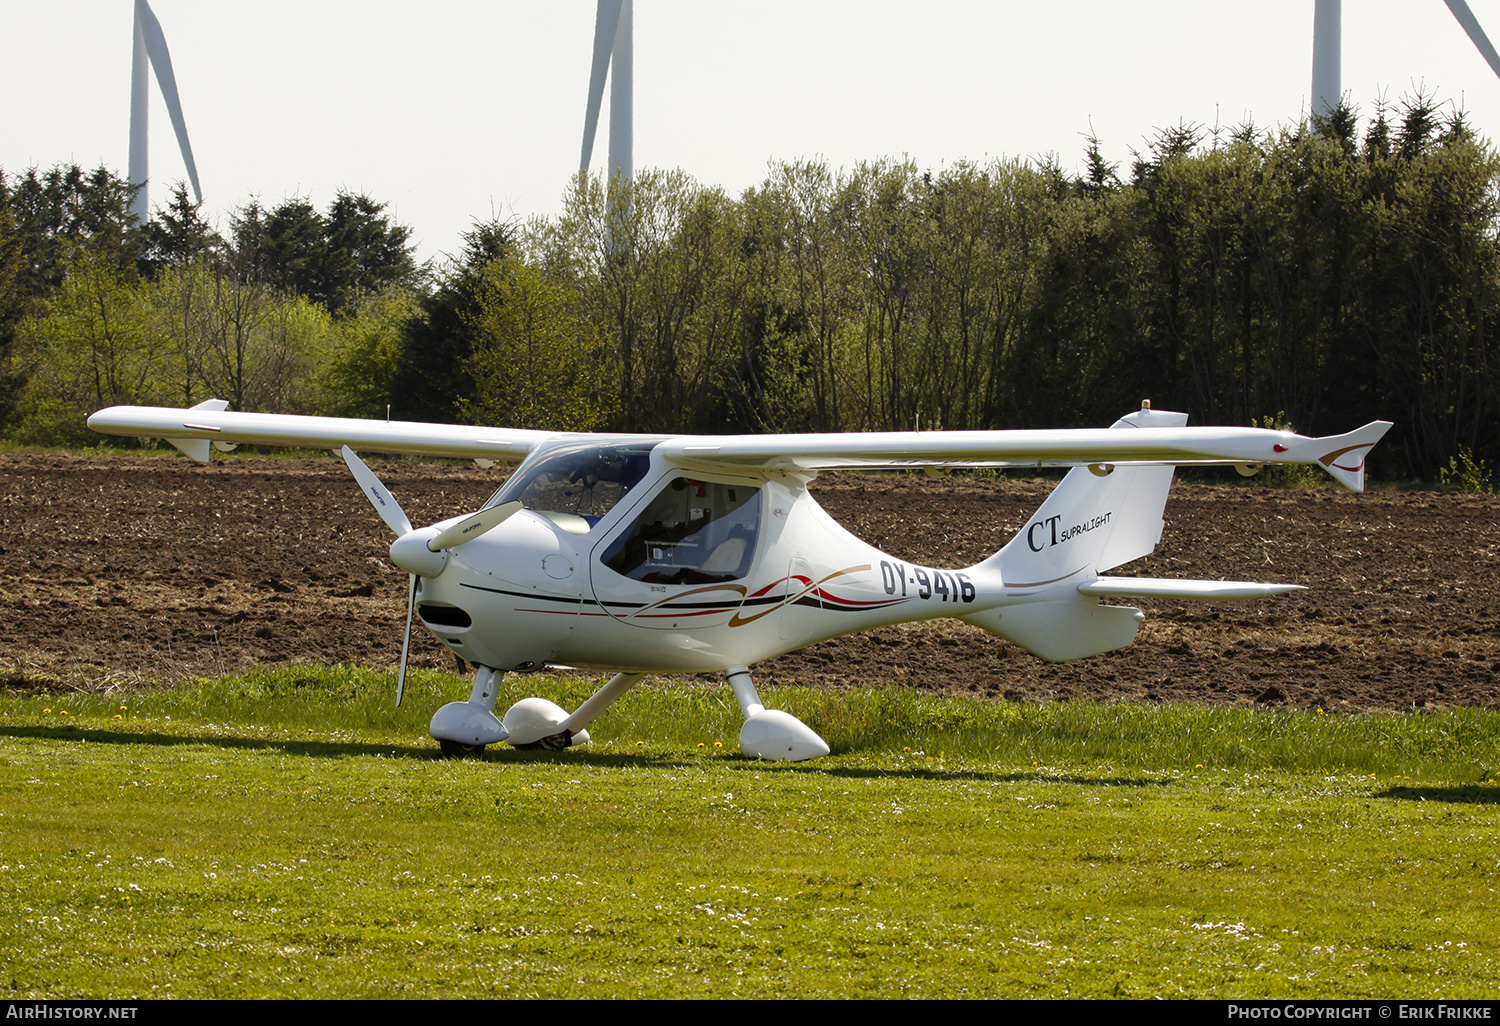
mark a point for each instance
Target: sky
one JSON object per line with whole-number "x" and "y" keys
{"x": 457, "y": 111}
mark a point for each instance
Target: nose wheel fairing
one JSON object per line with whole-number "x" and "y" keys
{"x": 470, "y": 725}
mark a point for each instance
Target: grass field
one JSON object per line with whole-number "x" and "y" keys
{"x": 289, "y": 834}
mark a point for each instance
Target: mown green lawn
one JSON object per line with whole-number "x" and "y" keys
{"x": 288, "y": 835}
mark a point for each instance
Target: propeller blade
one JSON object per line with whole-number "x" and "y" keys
{"x": 1476, "y": 34}
{"x": 473, "y": 526}
{"x": 384, "y": 502}
{"x": 411, "y": 605}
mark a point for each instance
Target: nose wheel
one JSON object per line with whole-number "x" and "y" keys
{"x": 459, "y": 750}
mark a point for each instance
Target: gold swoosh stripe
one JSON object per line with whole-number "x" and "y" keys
{"x": 1038, "y": 584}
{"x": 738, "y": 621}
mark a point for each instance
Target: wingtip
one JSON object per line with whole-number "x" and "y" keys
{"x": 1345, "y": 455}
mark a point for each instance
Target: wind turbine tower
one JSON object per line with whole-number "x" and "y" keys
{"x": 1327, "y": 79}
{"x": 614, "y": 52}
{"x": 1327, "y": 87}
{"x": 151, "y": 46}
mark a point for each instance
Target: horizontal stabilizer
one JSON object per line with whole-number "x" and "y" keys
{"x": 1204, "y": 591}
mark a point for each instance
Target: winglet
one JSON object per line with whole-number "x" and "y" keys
{"x": 1344, "y": 456}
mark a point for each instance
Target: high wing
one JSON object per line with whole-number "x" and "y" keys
{"x": 195, "y": 430}
{"x": 1343, "y": 456}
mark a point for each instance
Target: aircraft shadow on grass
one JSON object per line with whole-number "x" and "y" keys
{"x": 312, "y": 748}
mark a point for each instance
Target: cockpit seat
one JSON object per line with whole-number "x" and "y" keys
{"x": 726, "y": 558}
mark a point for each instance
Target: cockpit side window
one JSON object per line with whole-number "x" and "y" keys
{"x": 581, "y": 484}
{"x": 691, "y": 532}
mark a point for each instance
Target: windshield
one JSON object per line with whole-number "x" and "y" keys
{"x": 585, "y": 481}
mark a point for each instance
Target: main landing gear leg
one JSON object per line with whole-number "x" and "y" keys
{"x": 538, "y": 723}
{"x": 771, "y": 733}
{"x": 464, "y": 728}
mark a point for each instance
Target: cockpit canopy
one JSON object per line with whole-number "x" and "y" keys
{"x": 575, "y": 485}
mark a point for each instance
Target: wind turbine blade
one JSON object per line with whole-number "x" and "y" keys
{"x": 140, "y": 119}
{"x": 606, "y": 22}
{"x": 1460, "y": 9}
{"x": 161, "y": 61}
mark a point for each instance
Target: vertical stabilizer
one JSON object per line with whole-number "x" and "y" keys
{"x": 1098, "y": 518}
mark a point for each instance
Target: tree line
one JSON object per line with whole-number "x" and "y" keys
{"x": 1316, "y": 276}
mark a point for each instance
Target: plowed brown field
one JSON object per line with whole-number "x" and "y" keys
{"x": 154, "y": 568}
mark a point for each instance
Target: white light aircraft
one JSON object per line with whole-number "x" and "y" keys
{"x": 646, "y": 554}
